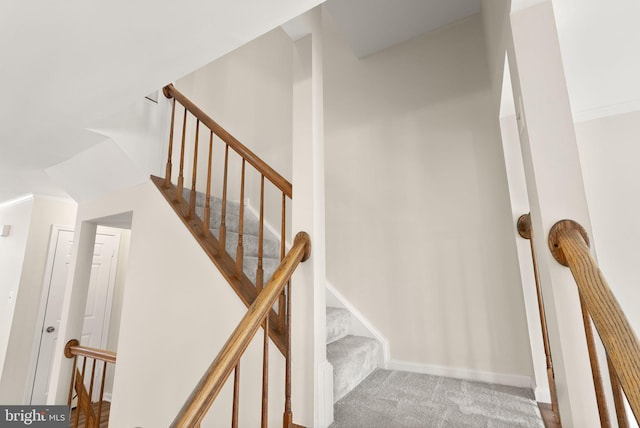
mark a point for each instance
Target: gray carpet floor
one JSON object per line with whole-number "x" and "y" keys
{"x": 393, "y": 399}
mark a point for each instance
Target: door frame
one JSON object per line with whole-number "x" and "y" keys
{"x": 44, "y": 297}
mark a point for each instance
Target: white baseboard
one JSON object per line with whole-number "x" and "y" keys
{"x": 325, "y": 394}
{"x": 107, "y": 397}
{"x": 462, "y": 373}
{"x": 364, "y": 323}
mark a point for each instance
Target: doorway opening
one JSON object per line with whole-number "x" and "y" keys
{"x": 101, "y": 323}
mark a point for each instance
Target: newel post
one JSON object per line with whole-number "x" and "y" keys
{"x": 312, "y": 375}
{"x": 555, "y": 189}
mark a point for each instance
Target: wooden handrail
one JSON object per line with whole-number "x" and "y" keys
{"x": 74, "y": 349}
{"x": 569, "y": 244}
{"x": 279, "y": 181}
{"x": 525, "y": 230}
{"x": 205, "y": 392}
{"x": 85, "y": 403}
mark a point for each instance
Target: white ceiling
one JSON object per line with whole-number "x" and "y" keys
{"x": 66, "y": 66}
{"x": 372, "y": 25}
{"x": 600, "y": 44}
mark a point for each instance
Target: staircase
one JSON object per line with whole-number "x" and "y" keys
{"x": 253, "y": 260}
{"x": 353, "y": 357}
{"x": 250, "y": 232}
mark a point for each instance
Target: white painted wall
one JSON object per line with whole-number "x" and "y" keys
{"x": 608, "y": 152}
{"x": 172, "y": 326}
{"x": 249, "y": 92}
{"x": 17, "y": 214}
{"x": 133, "y": 141}
{"x": 520, "y": 206}
{"x": 495, "y": 18}
{"x": 141, "y": 131}
{"x": 419, "y": 230}
{"x": 598, "y": 41}
{"x": 23, "y": 273}
{"x": 91, "y": 174}
{"x": 116, "y": 304}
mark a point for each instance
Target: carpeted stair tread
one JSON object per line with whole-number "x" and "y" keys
{"x": 270, "y": 247}
{"x": 353, "y": 359}
{"x": 250, "y": 225}
{"x": 250, "y": 266}
{"x": 215, "y": 202}
{"x": 338, "y": 320}
{"x": 250, "y": 233}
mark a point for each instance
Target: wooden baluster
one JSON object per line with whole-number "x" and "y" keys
{"x": 282, "y": 298}
{"x": 236, "y": 395}
{"x": 93, "y": 373}
{"x": 180, "y": 185}
{"x": 525, "y": 230}
{"x": 222, "y": 234}
{"x": 73, "y": 376}
{"x": 78, "y": 408}
{"x": 207, "y": 206}
{"x": 595, "y": 368}
{"x": 167, "y": 178}
{"x": 569, "y": 244}
{"x": 265, "y": 374}
{"x": 240, "y": 249}
{"x": 260, "y": 270}
{"x": 88, "y": 419}
{"x": 104, "y": 376}
{"x": 192, "y": 196}
{"x": 288, "y": 415}
{"x": 618, "y": 399}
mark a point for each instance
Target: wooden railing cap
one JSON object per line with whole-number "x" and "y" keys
{"x": 67, "y": 347}
{"x": 167, "y": 90}
{"x": 73, "y": 349}
{"x": 524, "y": 226}
{"x": 559, "y": 228}
{"x": 303, "y": 237}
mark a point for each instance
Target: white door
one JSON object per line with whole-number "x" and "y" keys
{"x": 95, "y": 327}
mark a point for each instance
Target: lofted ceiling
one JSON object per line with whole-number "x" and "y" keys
{"x": 600, "y": 41}
{"x": 372, "y": 25}
{"x": 67, "y": 66}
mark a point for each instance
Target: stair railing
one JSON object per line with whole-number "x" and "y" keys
{"x": 85, "y": 402}
{"x": 228, "y": 360}
{"x": 233, "y": 266}
{"x": 569, "y": 244}
{"x": 525, "y": 230}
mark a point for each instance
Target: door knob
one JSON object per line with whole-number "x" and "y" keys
{"x": 51, "y": 329}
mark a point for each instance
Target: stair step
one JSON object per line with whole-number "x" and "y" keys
{"x": 270, "y": 247}
{"x": 250, "y": 225}
{"x": 338, "y": 320}
{"x": 353, "y": 359}
{"x": 214, "y": 201}
{"x": 250, "y": 266}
